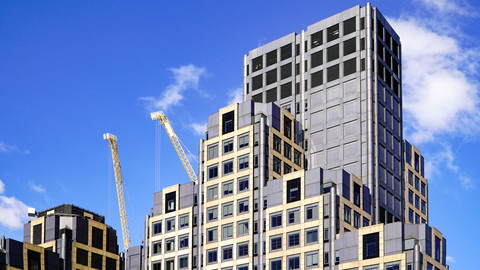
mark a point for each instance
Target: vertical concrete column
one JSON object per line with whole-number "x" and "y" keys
{"x": 261, "y": 184}
{"x": 416, "y": 257}
{"x": 200, "y": 204}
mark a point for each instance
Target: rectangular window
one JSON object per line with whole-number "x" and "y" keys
{"x": 366, "y": 222}
{"x": 311, "y": 212}
{"x": 417, "y": 183}
{"x": 227, "y": 122}
{"x": 276, "y": 264}
{"x": 316, "y": 39}
{"x": 183, "y": 262}
{"x": 349, "y": 26}
{"x": 293, "y": 216}
{"x": 437, "y": 249}
{"x": 293, "y": 190}
{"x": 157, "y": 248}
{"x": 316, "y": 79}
{"x": 227, "y": 253}
{"x": 227, "y": 231}
{"x": 410, "y": 177}
{"x": 276, "y": 243}
{"x": 417, "y": 162}
{"x": 212, "y": 235}
{"x": 184, "y": 221}
{"x": 183, "y": 241}
{"x": 285, "y": 71}
{"x": 170, "y": 198}
{"x": 212, "y": 256}
{"x": 243, "y": 162}
{"x": 227, "y": 167}
{"x": 332, "y": 73}
{"x": 350, "y": 66}
{"x": 347, "y": 214}
{"x": 349, "y": 46}
{"x": 243, "y": 183}
{"x": 332, "y": 32}
{"x": 271, "y": 95}
{"x": 286, "y": 90}
{"x": 293, "y": 239}
{"x": 287, "y": 127}
{"x": 277, "y": 165}
{"x": 277, "y": 144}
{"x": 170, "y": 244}
{"x": 276, "y": 220}
{"x": 242, "y": 206}
{"x": 271, "y": 58}
{"x": 170, "y": 224}
{"x": 287, "y": 150}
{"x": 417, "y": 202}
{"x": 294, "y": 262}
{"x": 410, "y": 215}
{"x": 333, "y": 52}
{"x": 243, "y": 141}
{"x": 212, "y": 171}
{"x": 410, "y": 196}
{"x": 212, "y": 213}
{"x": 271, "y": 76}
{"x": 424, "y": 207}
{"x": 242, "y": 228}
{"x": 170, "y": 265}
{"x": 157, "y": 228}
{"x": 311, "y": 259}
{"x": 370, "y": 245}
{"x": 212, "y": 193}
{"x": 356, "y": 194}
{"x": 316, "y": 59}
{"x": 356, "y": 219}
{"x": 423, "y": 188}
{"x": 297, "y": 157}
{"x": 286, "y": 52}
{"x": 212, "y": 151}
{"x": 286, "y": 168}
{"x": 257, "y": 63}
{"x": 311, "y": 236}
{"x": 227, "y": 188}
{"x": 227, "y": 146}
{"x": 227, "y": 210}
{"x": 242, "y": 249}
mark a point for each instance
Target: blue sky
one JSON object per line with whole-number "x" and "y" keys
{"x": 70, "y": 72}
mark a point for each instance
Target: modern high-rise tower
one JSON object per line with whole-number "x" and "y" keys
{"x": 341, "y": 78}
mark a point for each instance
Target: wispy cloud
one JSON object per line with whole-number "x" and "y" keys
{"x": 185, "y": 77}
{"x": 14, "y": 213}
{"x": 451, "y": 6}
{"x": 235, "y": 96}
{"x": 7, "y": 148}
{"x": 199, "y": 129}
{"x": 450, "y": 259}
{"x": 36, "y": 188}
{"x": 440, "y": 96}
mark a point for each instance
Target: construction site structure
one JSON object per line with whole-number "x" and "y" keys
{"x": 119, "y": 184}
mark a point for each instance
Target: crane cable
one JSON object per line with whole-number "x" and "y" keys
{"x": 131, "y": 205}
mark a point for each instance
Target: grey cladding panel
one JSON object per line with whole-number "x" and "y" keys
{"x": 26, "y": 232}
{"x": 51, "y": 228}
{"x": 313, "y": 182}
{"x": 157, "y": 203}
{"x": 274, "y": 192}
{"x": 212, "y": 127}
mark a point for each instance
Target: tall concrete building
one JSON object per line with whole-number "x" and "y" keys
{"x": 341, "y": 78}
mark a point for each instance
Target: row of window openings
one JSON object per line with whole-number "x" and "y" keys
{"x": 170, "y": 224}
{"x": 412, "y": 215}
{"x": 357, "y": 218}
{"x": 96, "y": 260}
{"x": 423, "y": 206}
{"x": 228, "y": 167}
{"x": 243, "y": 141}
{"x": 419, "y": 185}
{"x": 170, "y": 264}
{"x": 227, "y": 187}
{"x": 316, "y": 79}
{"x": 316, "y": 39}
{"x": 287, "y": 150}
{"x": 293, "y": 262}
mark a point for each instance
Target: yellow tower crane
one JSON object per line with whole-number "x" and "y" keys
{"x": 119, "y": 183}
{"x": 176, "y": 143}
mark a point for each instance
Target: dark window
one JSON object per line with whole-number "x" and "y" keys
{"x": 349, "y": 66}
{"x": 96, "y": 261}
{"x": 277, "y": 144}
{"x": 276, "y": 243}
{"x": 317, "y": 78}
{"x": 316, "y": 59}
{"x": 243, "y": 250}
{"x": 356, "y": 194}
{"x": 257, "y": 63}
{"x": 287, "y": 127}
{"x": 297, "y": 49}
{"x": 332, "y": 73}
{"x": 362, "y": 64}
{"x": 287, "y": 150}
{"x": 170, "y": 205}
{"x": 286, "y": 168}
{"x": 286, "y": 71}
{"x": 286, "y": 52}
{"x": 356, "y": 219}
{"x": 276, "y": 264}
{"x": 286, "y": 90}
{"x": 276, "y": 220}
{"x": 316, "y": 39}
{"x": 362, "y": 23}
{"x": 349, "y": 46}
{"x": 227, "y": 146}
{"x": 211, "y": 256}
{"x": 227, "y": 122}
{"x": 272, "y": 95}
{"x": 370, "y": 246}
{"x": 293, "y": 239}
{"x": 277, "y": 165}
{"x": 294, "y": 263}
{"x": 82, "y": 256}
{"x": 248, "y": 71}
{"x": 271, "y": 58}
{"x": 437, "y": 249}
{"x": 37, "y": 234}
{"x": 97, "y": 238}
{"x": 258, "y": 98}
{"x": 349, "y": 26}
{"x": 362, "y": 44}
{"x": 271, "y": 76}
{"x": 293, "y": 190}
{"x": 227, "y": 167}
{"x": 347, "y": 214}
{"x": 333, "y": 52}
{"x": 112, "y": 264}
{"x": 34, "y": 260}
{"x": 417, "y": 162}
{"x": 227, "y": 253}
{"x": 332, "y": 32}
{"x": 257, "y": 82}
{"x": 212, "y": 172}
{"x": 297, "y": 157}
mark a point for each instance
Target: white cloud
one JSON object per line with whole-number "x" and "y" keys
{"x": 199, "y": 129}
{"x": 7, "y": 148}
{"x": 36, "y": 188}
{"x": 185, "y": 77}
{"x": 2, "y": 187}
{"x": 14, "y": 213}
{"x": 467, "y": 183}
{"x": 450, "y": 6}
{"x": 235, "y": 96}
{"x": 439, "y": 95}
{"x": 450, "y": 259}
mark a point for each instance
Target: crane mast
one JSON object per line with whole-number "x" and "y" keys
{"x": 119, "y": 183}
{"x": 176, "y": 143}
